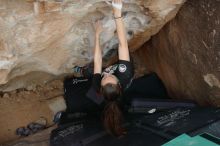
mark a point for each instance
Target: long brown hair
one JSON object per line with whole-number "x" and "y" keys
{"x": 112, "y": 115}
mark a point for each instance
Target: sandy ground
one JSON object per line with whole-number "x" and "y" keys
{"x": 20, "y": 107}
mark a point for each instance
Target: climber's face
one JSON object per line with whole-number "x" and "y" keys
{"x": 109, "y": 78}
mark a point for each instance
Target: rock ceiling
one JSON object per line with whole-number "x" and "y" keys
{"x": 46, "y": 38}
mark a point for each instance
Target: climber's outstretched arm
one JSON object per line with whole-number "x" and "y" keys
{"x": 97, "y": 49}
{"x": 123, "y": 51}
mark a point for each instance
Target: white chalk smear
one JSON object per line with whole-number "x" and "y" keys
{"x": 5, "y": 64}
{"x": 211, "y": 80}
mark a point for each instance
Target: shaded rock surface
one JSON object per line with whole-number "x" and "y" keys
{"x": 186, "y": 53}
{"x": 40, "y": 40}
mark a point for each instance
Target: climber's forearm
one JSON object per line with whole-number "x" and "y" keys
{"x": 97, "y": 56}
{"x": 123, "y": 44}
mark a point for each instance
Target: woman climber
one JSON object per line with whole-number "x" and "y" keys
{"x": 112, "y": 81}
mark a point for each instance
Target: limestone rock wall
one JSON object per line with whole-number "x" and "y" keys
{"x": 186, "y": 53}
{"x": 42, "y": 39}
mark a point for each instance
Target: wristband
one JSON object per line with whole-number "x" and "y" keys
{"x": 118, "y": 17}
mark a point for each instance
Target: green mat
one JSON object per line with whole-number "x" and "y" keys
{"x": 186, "y": 140}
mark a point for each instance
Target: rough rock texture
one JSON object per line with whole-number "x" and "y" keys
{"x": 42, "y": 39}
{"x": 186, "y": 53}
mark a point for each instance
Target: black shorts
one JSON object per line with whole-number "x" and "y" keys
{"x": 75, "y": 90}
